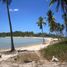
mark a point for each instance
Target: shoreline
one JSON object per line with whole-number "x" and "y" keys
{"x": 22, "y": 44}
{"x": 31, "y": 47}
{"x": 25, "y": 37}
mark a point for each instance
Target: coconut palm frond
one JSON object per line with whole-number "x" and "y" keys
{"x": 52, "y": 2}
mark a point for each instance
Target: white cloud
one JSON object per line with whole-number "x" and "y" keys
{"x": 16, "y": 9}
{"x": 13, "y": 10}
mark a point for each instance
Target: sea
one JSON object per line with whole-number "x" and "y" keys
{"x": 5, "y": 42}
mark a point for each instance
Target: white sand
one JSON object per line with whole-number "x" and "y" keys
{"x": 5, "y": 57}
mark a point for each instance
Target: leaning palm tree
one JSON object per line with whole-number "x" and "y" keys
{"x": 40, "y": 24}
{"x": 8, "y": 2}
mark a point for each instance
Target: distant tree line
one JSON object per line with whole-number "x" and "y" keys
{"x": 26, "y": 34}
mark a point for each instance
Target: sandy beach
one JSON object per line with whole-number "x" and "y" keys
{"x": 5, "y": 58}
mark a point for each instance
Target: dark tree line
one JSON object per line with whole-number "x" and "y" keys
{"x": 26, "y": 34}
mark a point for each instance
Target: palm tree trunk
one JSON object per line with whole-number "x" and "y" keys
{"x": 11, "y": 34}
{"x": 42, "y": 35}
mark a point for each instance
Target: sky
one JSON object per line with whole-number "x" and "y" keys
{"x": 24, "y": 15}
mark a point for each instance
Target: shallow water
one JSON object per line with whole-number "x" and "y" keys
{"x": 19, "y": 41}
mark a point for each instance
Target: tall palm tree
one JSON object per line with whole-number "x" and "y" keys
{"x": 8, "y": 2}
{"x": 40, "y": 24}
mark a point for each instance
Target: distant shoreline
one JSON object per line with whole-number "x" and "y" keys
{"x": 24, "y": 37}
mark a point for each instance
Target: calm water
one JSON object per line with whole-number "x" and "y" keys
{"x": 19, "y": 41}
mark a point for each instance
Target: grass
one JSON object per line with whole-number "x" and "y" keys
{"x": 58, "y": 50}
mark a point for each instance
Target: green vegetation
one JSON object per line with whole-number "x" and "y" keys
{"x": 55, "y": 27}
{"x": 63, "y": 5}
{"x": 58, "y": 50}
{"x": 27, "y": 34}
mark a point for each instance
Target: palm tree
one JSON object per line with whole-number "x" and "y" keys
{"x": 51, "y": 21}
{"x": 40, "y": 24}
{"x": 62, "y": 3}
{"x": 50, "y": 15}
{"x": 54, "y": 26}
{"x": 8, "y": 2}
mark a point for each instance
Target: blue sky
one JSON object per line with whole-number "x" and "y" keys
{"x": 24, "y": 15}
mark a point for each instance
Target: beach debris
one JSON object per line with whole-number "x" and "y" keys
{"x": 27, "y": 61}
{"x": 22, "y": 50}
{"x": 54, "y": 59}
